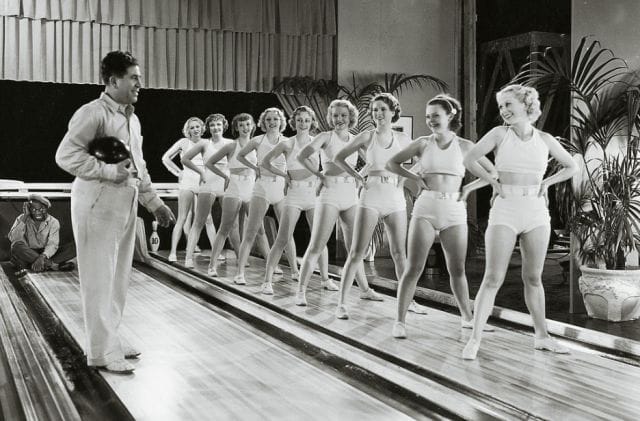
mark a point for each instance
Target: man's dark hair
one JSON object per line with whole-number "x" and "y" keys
{"x": 116, "y": 63}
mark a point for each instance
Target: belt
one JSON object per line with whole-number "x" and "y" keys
{"x": 434, "y": 194}
{"x": 339, "y": 179}
{"x": 270, "y": 178}
{"x": 303, "y": 183}
{"x": 384, "y": 179}
{"x": 242, "y": 177}
{"x": 515, "y": 191}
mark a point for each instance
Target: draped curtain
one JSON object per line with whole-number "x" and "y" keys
{"x": 242, "y": 45}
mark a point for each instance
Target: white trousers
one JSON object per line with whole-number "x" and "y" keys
{"x": 103, "y": 216}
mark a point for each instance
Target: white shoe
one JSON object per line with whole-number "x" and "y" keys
{"x": 278, "y": 271}
{"x": 468, "y": 324}
{"x": 295, "y": 276}
{"x": 211, "y": 271}
{"x": 239, "y": 279}
{"x": 371, "y": 295}
{"x": 173, "y": 257}
{"x": 197, "y": 250}
{"x": 399, "y": 331}
{"x": 416, "y": 308}
{"x": 342, "y": 313}
{"x": 470, "y": 351}
{"x": 188, "y": 263}
{"x": 267, "y": 288}
{"x": 301, "y": 299}
{"x": 329, "y": 285}
{"x": 548, "y": 344}
{"x": 222, "y": 257}
{"x": 118, "y": 367}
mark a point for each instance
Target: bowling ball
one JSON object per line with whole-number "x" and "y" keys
{"x": 109, "y": 149}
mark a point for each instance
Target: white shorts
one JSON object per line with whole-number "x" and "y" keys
{"x": 522, "y": 210}
{"x": 240, "y": 187}
{"x": 301, "y": 194}
{"x": 213, "y": 184}
{"x": 384, "y": 195}
{"x": 189, "y": 180}
{"x": 442, "y": 210}
{"x": 339, "y": 192}
{"x": 270, "y": 188}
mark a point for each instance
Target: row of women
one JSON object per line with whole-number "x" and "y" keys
{"x": 318, "y": 175}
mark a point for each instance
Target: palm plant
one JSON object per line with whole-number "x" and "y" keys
{"x": 602, "y": 205}
{"x": 319, "y": 93}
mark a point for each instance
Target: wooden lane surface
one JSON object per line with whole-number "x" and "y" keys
{"x": 196, "y": 364}
{"x": 582, "y": 385}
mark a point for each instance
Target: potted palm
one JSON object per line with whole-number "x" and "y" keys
{"x": 601, "y": 204}
{"x": 363, "y": 88}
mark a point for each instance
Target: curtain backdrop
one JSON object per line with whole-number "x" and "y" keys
{"x": 240, "y": 45}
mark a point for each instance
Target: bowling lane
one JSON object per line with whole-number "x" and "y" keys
{"x": 202, "y": 364}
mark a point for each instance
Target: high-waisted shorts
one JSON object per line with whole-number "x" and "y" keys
{"x": 213, "y": 184}
{"x": 339, "y": 192}
{"x": 384, "y": 195}
{"x": 269, "y": 188}
{"x": 301, "y": 194}
{"x": 522, "y": 209}
{"x": 189, "y": 180}
{"x": 442, "y": 210}
{"x": 240, "y": 187}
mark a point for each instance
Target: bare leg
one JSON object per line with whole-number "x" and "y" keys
{"x": 347, "y": 221}
{"x": 290, "y": 248}
{"x": 421, "y": 236}
{"x": 288, "y": 219}
{"x": 366, "y": 220}
{"x": 210, "y": 228}
{"x": 323, "y": 261}
{"x": 257, "y": 209}
{"x": 499, "y": 241}
{"x": 185, "y": 201}
{"x": 396, "y": 229}
{"x": 230, "y": 208}
{"x": 205, "y": 200}
{"x": 454, "y": 245}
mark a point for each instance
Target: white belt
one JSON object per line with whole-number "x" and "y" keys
{"x": 384, "y": 179}
{"x": 514, "y": 191}
{"x": 242, "y": 177}
{"x": 270, "y": 178}
{"x": 302, "y": 183}
{"x": 339, "y": 179}
{"x": 441, "y": 195}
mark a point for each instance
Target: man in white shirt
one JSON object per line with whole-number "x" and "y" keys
{"x": 104, "y": 206}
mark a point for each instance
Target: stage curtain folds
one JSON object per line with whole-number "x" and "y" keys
{"x": 239, "y": 45}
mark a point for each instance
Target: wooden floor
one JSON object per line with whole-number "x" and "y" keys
{"x": 197, "y": 364}
{"x": 583, "y": 385}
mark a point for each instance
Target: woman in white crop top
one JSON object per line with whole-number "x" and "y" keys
{"x": 337, "y": 195}
{"x": 238, "y": 186}
{"x": 188, "y": 183}
{"x": 300, "y": 195}
{"x": 381, "y": 195}
{"x": 519, "y": 209}
{"x": 268, "y": 188}
{"x": 211, "y": 184}
{"x": 440, "y": 206}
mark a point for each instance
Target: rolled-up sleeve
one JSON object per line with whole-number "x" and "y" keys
{"x": 17, "y": 231}
{"x": 53, "y": 240}
{"x": 72, "y": 154}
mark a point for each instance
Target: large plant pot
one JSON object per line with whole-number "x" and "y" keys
{"x": 612, "y": 295}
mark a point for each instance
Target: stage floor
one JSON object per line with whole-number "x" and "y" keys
{"x": 195, "y": 362}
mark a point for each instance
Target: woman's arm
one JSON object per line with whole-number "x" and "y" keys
{"x": 281, "y": 148}
{"x": 563, "y": 157}
{"x": 395, "y": 162}
{"x": 350, "y": 148}
{"x": 251, "y": 145}
{"x": 478, "y": 151}
{"x": 225, "y": 151}
{"x": 167, "y": 158}
{"x": 312, "y": 148}
{"x": 188, "y": 156}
